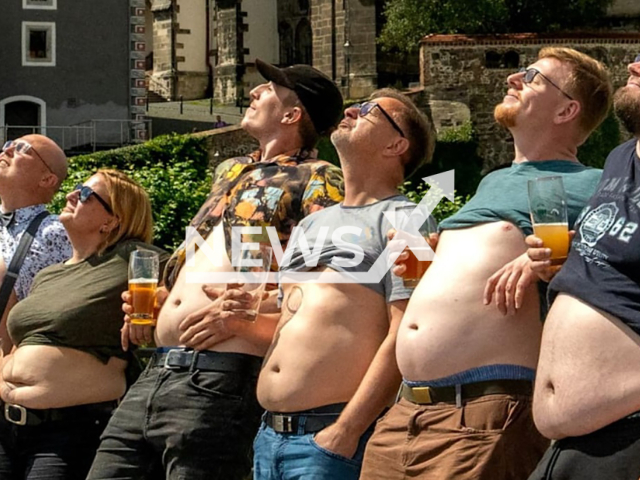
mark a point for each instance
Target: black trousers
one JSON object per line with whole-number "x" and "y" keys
{"x": 611, "y": 453}
{"x": 52, "y": 450}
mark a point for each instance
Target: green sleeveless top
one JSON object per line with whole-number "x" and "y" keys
{"x": 78, "y": 306}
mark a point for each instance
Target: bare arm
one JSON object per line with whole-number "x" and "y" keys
{"x": 5, "y": 342}
{"x": 223, "y": 319}
{"x": 375, "y": 392}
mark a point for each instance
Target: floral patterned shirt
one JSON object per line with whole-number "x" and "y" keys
{"x": 277, "y": 192}
{"x": 50, "y": 245}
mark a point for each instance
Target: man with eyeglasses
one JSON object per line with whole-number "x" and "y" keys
{"x": 32, "y": 169}
{"x": 330, "y": 371}
{"x": 468, "y": 344}
{"x": 588, "y": 385}
{"x": 193, "y": 413}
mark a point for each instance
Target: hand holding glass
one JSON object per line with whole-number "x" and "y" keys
{"x": 144, "y": 267}
{"x": 415, "y": 267}
{"x": 548, "y": 209}
{"x": 254, "y": 266}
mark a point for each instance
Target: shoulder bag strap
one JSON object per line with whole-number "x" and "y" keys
{"x": 18, "y": 258}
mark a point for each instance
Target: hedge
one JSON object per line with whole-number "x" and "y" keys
{"x": 174, "y": 170}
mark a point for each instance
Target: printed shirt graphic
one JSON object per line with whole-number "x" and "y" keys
{"x": 50, "y": 245}
{"x": 278, "y": 192}
{"x": 603, "y": 268}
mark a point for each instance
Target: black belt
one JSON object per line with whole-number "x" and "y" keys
{"x": 311, "y": 421}
{"x": 206, "y": 360}
{"x": 430, "y": 395}
{"x": 19, "y": 415}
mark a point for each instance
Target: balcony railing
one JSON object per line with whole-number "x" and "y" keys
{"x": 86, "y": 136}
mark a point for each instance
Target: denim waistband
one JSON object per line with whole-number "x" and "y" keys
{"x": 479, "y": 374}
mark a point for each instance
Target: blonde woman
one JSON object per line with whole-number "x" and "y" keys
{"x": 66, "y": 371}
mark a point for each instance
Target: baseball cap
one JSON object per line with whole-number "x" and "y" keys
{"x": 317, "y": 92}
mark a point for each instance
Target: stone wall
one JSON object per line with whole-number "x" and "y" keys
{"x": 472, "y": 70}
{"x": 229, "y": 40}
{"x": 227, "y": 142}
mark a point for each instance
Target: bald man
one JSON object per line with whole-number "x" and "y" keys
{"x": 32, "y": 169}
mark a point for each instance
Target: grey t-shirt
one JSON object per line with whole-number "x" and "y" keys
{"x": 364, "y": 227}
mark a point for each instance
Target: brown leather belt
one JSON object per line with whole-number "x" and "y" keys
{"x": 431, "y": 395}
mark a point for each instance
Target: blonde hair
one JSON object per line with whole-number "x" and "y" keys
{"x": 131, "y": 206}
{"x": 589, "y": 83}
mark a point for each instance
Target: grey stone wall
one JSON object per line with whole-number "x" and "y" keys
{"x": 454, "y": 69}
{"x": 227, "y": 142}
{"x": 229, "y": 41}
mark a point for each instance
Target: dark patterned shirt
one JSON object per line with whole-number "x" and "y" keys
{"x": 50, "y": 245}
{"x": 277, "y": 192}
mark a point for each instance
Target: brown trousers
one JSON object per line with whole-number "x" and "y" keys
{"x": 488, "y": 438}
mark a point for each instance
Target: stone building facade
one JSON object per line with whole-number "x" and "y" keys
{"x": 471, "y": 71}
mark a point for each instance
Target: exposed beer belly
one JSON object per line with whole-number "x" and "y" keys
{"x": 447, "y": 329}
{"x": 323, "y": 346}
{"x": 588, "y": 372}
{"x": 43, "y": 376}
{"x": 186, "y": 298}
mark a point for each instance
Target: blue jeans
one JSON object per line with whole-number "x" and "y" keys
{"x": 53, "y": 450}
{"x": 183, "y": 424}
{"x": 286, "y": 456}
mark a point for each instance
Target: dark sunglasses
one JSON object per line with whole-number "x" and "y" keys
{"x": 22, "y": 148}
{"x": 85, "y": 194}
{"x": 531, "y": 73}
{"x": 366, "y": 108}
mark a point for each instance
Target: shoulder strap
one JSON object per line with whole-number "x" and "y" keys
{"x": 18, "y": 258}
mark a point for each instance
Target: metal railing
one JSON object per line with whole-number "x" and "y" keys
{"x": 85, "y": 136}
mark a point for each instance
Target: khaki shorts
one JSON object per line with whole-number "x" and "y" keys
{"x": 489, "y": 438}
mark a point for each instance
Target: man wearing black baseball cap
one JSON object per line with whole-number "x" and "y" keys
{"x": 193, "y": 413}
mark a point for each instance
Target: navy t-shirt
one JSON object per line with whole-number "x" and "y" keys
{"x": 603, "y": 268}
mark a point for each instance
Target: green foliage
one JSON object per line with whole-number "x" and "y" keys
{"x": 407, "y": 21}
{"x": 456, "y": 149}
{"x": 326, "y": 151}
{"x": 173, "y": 169}
{"x": 605, "y": 138}
{"x": 444, "y": 209}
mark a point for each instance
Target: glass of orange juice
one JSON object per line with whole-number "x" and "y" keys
{"x": 548, "y": 209}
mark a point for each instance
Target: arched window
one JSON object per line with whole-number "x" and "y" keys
{"x": 511, "y": 59}
{"x": 492, "y": 59}
{"x": 286, "y": 44}
{"x": 22, "y": 115}
{"x": 304, "y": 47}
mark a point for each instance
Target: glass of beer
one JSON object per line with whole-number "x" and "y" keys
{"x": 144, "y": 267}
{"x": 548, "y": 209}
{"x": 253, "y": 267}
{"x": 414, "y": 266}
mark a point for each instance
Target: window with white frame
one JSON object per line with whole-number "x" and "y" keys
{"x": 40, "y": 4}
{"x": 38, "y": 44}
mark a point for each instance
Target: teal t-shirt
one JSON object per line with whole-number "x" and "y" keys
{"x": 503, "y": 194}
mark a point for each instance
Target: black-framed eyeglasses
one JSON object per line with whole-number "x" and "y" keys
{"x": 366, "y": 108}
{"x": 85, "y": 194}
{"x": 22, "y": 147}
{"x": 531, "y": 73}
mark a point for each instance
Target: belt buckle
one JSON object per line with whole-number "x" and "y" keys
{"x": 10, "y": 408}
{"x": 422, "y": 394}
{"x": 283, "y": 423}
{"x": 175, "y": 354}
